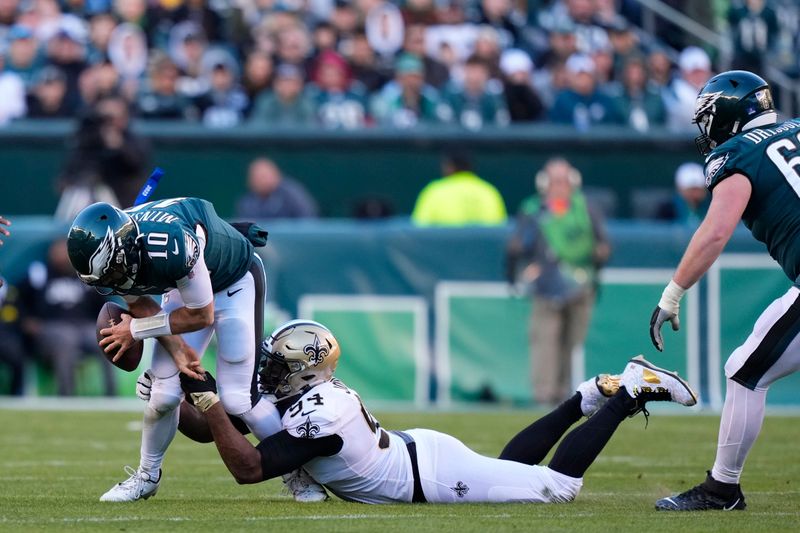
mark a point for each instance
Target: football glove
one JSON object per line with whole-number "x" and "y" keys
{"x": 143, "y": 385}
{"x": 666, "y": 311}
{"x": 201, "y": 394}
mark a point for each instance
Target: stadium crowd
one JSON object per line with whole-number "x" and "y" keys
{"x": 355, "y": 63}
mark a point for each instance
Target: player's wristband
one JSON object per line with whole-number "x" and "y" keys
{"x": 204, "y": 400}
{"x": 151, "y": 326}
{"x": 671, "y": 297}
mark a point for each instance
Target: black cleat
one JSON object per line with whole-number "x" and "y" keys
{"x": 708, "y": 495}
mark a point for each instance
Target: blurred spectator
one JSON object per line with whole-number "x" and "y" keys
{"x": 339, "y": 104}
{"x": 12, "y": 95}
{"x": 324, "y": 38}
{"x": 522, "y": 101}
{"x": 460, "y": 198}
{"x": 365, "y": 67}
{"x": 624, "y": 44}
{"x": 287, "y": 104}
{"x": 99, "y": 81}
{"x": 66, "y": 51}
{"x": 408, "y": 101}
{"x": 562, "y": 43}
{"x": 273, "y": 195}
{"x": 101, "y": 26}
{"x": 224, "y": 104}
{"x": 127, "y": 51}
{"x": 504, "y": 18}
{"x": 384, "y": 27}
{"x": 435, "y": 73}
{"x": 201, "y": 14}
{"x": 47, "y": 98}
{"x": 419, "y": 12}
{"x": 257, "y": 77}
{"x": 59, "y": 312}
{"x": 691, "y": 200}
{"x": 659, "y": 67}
{"x": 187, "y": 47}
{"x": 754, "y": 28}
{"x": 638, "y": 102}
{"x": 23, "y": 54}
{"x": 549, "y": 79}
{"x": 159, "y": 98}
{"x": 582, "y": 104}
{"x": 487, "y": 47}
{"x": 478, "y": 102}
{"x": 603, "y": 59}
{"x": 345, "y": 18}
{"x": 681, "y": 95}
{"x": 8, "y": 12}
{"x": 294, "y": 47}
{"x": 107, "y": 162}
{"x": 12, "y": 354}
{"x": 589, "y": 34}
{"x": 557, "y": 249}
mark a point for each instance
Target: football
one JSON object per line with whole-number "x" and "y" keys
{"x": 111, "y": 314}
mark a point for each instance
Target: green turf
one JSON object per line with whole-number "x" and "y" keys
{"x": 54, "y": 465}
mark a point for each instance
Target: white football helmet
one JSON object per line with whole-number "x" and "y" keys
{"x": 296, "y": 356}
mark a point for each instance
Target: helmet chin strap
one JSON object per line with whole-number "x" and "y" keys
{"x": 767, "y": 119}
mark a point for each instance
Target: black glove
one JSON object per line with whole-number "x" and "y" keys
{"x": 201, "y": 394}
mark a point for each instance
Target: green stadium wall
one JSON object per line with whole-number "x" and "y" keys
{"x": 341, "y": 167}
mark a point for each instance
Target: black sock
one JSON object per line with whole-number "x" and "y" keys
{"x": 532, "y": 444}
{"x": 583, "y": 444}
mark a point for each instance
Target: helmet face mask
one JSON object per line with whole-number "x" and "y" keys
{"x": 297, "y": 355}
{"x": 103, "y": 246}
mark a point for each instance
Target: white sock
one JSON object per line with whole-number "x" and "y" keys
{"x": 263, "y": 419}
{"x": 157, "y": 433}
{"x": 739, "y": 427}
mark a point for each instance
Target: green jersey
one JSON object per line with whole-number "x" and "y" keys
{"x": 171, "y": 231}
{"x": 770, "y": 158}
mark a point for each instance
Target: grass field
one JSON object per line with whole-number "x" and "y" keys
{"x": 55, "y": 465}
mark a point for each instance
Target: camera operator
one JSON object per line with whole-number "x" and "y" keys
{"x": 107, "y": 161}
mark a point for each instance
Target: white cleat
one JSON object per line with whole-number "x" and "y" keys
{"x": 139, "y": 486}
{"x": 304, "y": 488}
{"x": 596, "y": 391}
{"x": 646, "y": 382}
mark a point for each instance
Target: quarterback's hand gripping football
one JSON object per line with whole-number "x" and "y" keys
{"x": 201, "y": 394}
{"x": 117, "y": 338}
{"x": 666, "y": 311}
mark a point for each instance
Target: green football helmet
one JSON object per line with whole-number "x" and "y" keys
{"x": 103, "y": 248}
{"x": 728, "y": 104}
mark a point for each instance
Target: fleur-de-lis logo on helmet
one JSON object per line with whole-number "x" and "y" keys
{"x": 308, "y": 429}
{"x": 315, "y": 351}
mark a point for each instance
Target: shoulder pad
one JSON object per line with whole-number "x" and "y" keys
{"x": 724, "y": 161}
{"x": 315, "y": 414}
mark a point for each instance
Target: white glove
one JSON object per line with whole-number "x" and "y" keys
{"x": 667, "y": 311}
{"x": 143, "y": 385}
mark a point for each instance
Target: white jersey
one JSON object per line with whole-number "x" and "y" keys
{"x": 373, "y": 465}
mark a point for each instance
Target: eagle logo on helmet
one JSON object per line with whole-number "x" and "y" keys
{"x": 101, "y": 258}
{"x": 308, "y": 430}
{"x": 316, "y": 352}
{"x": 705, "y": 103}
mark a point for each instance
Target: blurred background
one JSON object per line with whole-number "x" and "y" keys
{"x": 482, "y": 198}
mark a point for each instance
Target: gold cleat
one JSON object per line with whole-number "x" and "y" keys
{"x": 607, "y": 384}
